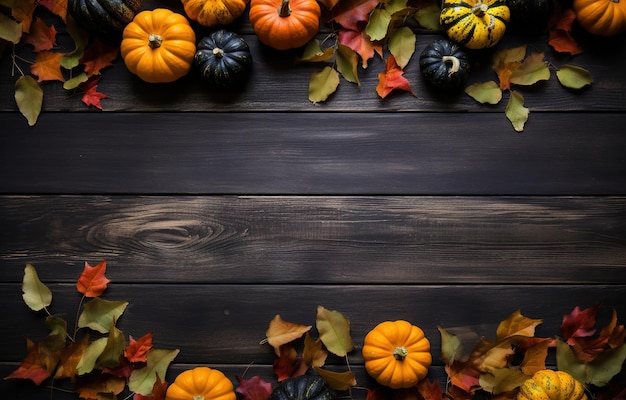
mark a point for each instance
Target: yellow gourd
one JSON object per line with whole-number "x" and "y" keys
{"x": 551, "y": 385}
{"x": 397, "y": 354}
{"x": 475, "y": 24}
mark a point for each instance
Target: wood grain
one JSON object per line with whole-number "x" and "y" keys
{"x": 306, "y": 239}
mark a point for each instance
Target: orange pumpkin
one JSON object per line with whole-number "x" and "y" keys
{"x": 158, "y": 45}
{"x": 201, "y": 383}
{"x": 285, "y": 24}
{"x": 601, "y": 17}
{"x": 214, "y": 12}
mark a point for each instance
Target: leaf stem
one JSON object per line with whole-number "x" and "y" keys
{"x": 80, "y": 306}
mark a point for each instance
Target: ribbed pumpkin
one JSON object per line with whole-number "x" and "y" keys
{"x": 285, "y": 24}
{"x": 223, "y": 58}
{"x": 551, "y": 385}
{"x": 601, "y": 17}
{"x": 444, "y": 65}
{"x": 158, "y": 45}
{"x": 214, "y": 12}
{"x": 475, "y": 24}
{"x": 396, "y": 354}
{"x": 106, "y": 18}
{"x": 201, "y": 383}
{"x": 303, "y": 387}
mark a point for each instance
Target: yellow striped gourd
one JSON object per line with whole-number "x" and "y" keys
{"x": 475, "y": 24}
{"x": 551, "y": 385}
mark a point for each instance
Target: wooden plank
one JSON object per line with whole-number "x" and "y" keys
{"x": 313, "y": 153}
{"x": 223, "y": 324}
{"x": 327, "y": 239}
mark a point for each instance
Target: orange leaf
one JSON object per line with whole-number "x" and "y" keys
{"x": 92, "y": 282}
{"x": 560, "y": 37}
{"x": 92, "y": 386}
{"x": 41, "y": 36}
{"x": 70, "y": 359}
{"x": 393, "y": 78}
{"x": 57, "y": 7}
{"x": 463, "y": 375}
{"x": 287, "y": 364}
{"x": 47, "y": 66}
{"x": 281, "y": 332}
{"x": 32, "y": 367}
{"x": 359, "y": 42}
{"x": 137, "y": 350}
{"x": 535, "y": 355}
{"x": 98, "y": 56}
{"x": 92, "y": 97}
{"x": 22, "y": 11}
{"x": 254, "y": 388}
{"x": 430, "y": 390}
{"x": 351, "y": 13}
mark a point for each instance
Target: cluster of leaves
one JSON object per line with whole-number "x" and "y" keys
{"x": 94, "y": 357}
{"x": 296, "y": 352}
{"x": 362, "y": 31}
{"x": 500, "y": 365}
{"x": 79, "y": 69}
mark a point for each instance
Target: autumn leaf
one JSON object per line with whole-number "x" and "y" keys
{"x": 579, "y": 323}
{"x": 92, "y": 97}
{"x": 573, "y": 77}
{"x": 57, "y": 7}
{"x": 10, "y": 30}
{"x": 36, "y": 295}
{"x": 506, "y": 61}
{"x": 392, "y": 79}
{"x": 322, "y": 84}
{"x": 485, "y": 92}
{"x": 96, "y": 385}
{"x": 254, "y": 388}
{"x": 517, "y": 325}
{"x": 41, "y": 36}
{"x": 427, "y": 16}
{"x": 313, "y": 52}
{"x": 47, "y": 66}
{"x": 347, "y": 63}
{"x": 113, "y": 350}
{"x": 337, "y": 380}
{"x": 22, "y": 11}
{"x": 92, "y": 281}
{"x": 430, "y": 390}
{"x": 360, "y": 43}
{"x": 98, "y": 56}
{"x": 29, "y": 98}
{"x": 599, "y": 372}
{"x": 516, "y": 112}
{"x": 287, "y": 364}
{"x": 559, "y": 36}
{"x": 491, "y": 354}
{"x": 402, "y": 45}
{"x": 90, "y": 355}
{"x": 81, "y": 40}
{"x": 142, "y": 380}
{"x": 32, "y": 367}
{"x": 463, "y": 375}
{"x": 70, "y": 358}
{"x": 334, "y": 331}
{"x": 137, "y": 350}
{"x": 350, "y": 15}
{"x": 282, "y": 332}
{"x": 100, "y": 314}
{"x": 535, "y": 356}
{"x": 314, "y": 354}
{"x": 502, "y": 380}
{"x": 532, "y": 70}
{"x": 159, "y": 390}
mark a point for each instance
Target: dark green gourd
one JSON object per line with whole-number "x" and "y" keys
{"x": 444, "y": 65}
{"x": 223, "y": 58}
{"x": 105, "y": 18}
{"x": 304, "y": 387}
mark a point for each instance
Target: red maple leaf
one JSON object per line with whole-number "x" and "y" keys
{"x": 392, "y": 79}
{"x": 32, "y": 367}
{"x": 254, "y": 388}
{"x": 92, "y": 97}
{"x": 579, "y": 323}
{"x": 560, "y": 37}
{"x": 98, "y": 56}
{"x": 41, "y": 36}
{"x": 137, "y": 350}
{"x": 92, "y": 282}
{"x": 287, "y": 364}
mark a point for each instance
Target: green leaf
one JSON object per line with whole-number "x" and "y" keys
{"x": 100, "y": 315}
{"x": 348, "y": 63}
{"x": 81, "y": 39}
{"x": 532, "y": 70}
{"x": 573, "y": 76}
{"x": 394, "y": 6}
{"x": 428, "y": 17}
{"x": 142, "y": 380}
{"x": 58, "y": 332}
{"x": 29, "y": 98}
{"x": 313, "y": 52}
{"x": 36, "y": 295}
{"x": 402, "y": 45}
{"x": 451, "y": 347}
{"x": 75, "y": 81}
{"x": 378, "y": 24}
{"x": 322, "y": 84}
{"x": 598, "y": 372}
{"x": 516, "y": 112}
{"x": 485, "y": 92}
{"x": 90, "y": 356}
{"x": 10, "y": 29}
{"x": 334, "y": 331}
{"x": 110, "y": 356}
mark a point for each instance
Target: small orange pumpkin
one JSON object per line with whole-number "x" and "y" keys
{"x": 285, "y": 24}
{"x": 214, "y": 12}
{"x": 397, "y": 354}
{"x": 201, "y": 383}
{"x": 601, "y": 17}
{"x": 158, "y": 45}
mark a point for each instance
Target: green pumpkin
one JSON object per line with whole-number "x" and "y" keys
{"x": 223, "y": 58}
{"x": 444, "y": 65}
{"x": 105, "y": 18}
{"x": 304, "y": 387}
{"x": 530, "y": 16}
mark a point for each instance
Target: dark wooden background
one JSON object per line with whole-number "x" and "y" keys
{"x": 216, "y": 210}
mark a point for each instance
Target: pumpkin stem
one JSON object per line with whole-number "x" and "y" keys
{"x": 217, "y": 52}
{"x": 284, "y": 10}
{"x": 154, "y": 41}
{"x": 456, "y": 64}
{"x": 479, "y": 9}
{"x": 400, "y": 353}
{"x": 198, "y": 397}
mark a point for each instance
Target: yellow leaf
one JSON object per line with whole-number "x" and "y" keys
{"x": 322, "y": 84}
{"x": 516, "y": 112}
{"x": 517, "y": 325}
{"x": 314, "y": 353}
{"x": 334, "y": 330}
{"x": 282, "y": 332}
{"x": 502, "y": 380}
{"x": 337, "y": 380}
{"x": 532, "y": 70}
